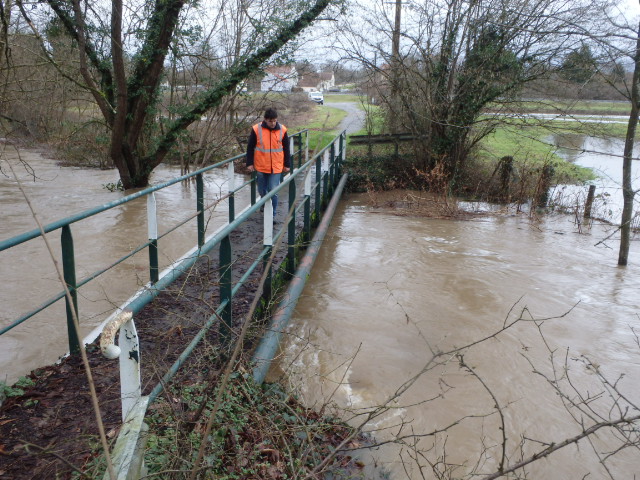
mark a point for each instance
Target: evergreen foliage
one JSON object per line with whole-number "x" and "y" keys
{"x": 579, "y": 65}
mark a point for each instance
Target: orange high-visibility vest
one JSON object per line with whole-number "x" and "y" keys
{"x": 269, "y": 152}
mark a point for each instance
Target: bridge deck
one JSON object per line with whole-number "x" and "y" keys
{"x": 57, "y": 413}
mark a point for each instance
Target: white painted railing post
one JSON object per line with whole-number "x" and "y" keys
{"x": 152, "y": 227}
{"x": 306, "y": 147}
{"x": 231, "y": 182}
{"x": 231, "y": 177}
{"x": 344, "y": 147}
{"x": 128, "y": 351}
{"x": 130, "y": 384}
{"x": 267, "y": 238}
{"x": 128, "y": 452}
{"x": 292, "y": 148}
{"x": 152, "y": 216}
{"x": 307, "y": 183}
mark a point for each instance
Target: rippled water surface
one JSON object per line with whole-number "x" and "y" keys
{"x": 388, "y": 291}
{"x": 29, "y": 277}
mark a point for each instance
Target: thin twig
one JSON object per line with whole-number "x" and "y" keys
{"x": 557, "y": 446}
{"x": 76, "y": 325}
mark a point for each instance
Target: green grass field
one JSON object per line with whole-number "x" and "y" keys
{"x": 328, "y": 98}
{"x": 323, "y": 125}
{"x": 573, "y": 107}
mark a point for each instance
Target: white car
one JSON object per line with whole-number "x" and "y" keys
{"x": 317, "y": 97}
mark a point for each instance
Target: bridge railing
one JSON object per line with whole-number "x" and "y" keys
{"x": 68, "y": 255}
{"x": 318, "y": 177}
{"x": 315, "y": 178}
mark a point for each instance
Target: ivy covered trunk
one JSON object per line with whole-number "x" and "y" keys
{"x": 125, "y": 86}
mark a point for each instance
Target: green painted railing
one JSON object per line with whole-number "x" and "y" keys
{"x": 323, "y": 167}
{"x": 68, "y": 256}
{"x": 310, "y": 187}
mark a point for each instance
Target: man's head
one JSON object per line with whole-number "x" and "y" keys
{"x": 271, "y": 117}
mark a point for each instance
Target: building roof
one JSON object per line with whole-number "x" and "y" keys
{"x": 309, "y": 80}
{"x": 313, "y": 79}
{"x": 281, "y": 70}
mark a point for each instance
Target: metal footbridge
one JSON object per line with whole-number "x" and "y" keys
{"x": 313, "y": 188}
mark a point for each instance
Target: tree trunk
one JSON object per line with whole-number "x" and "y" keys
{"x": 627, "y": 188}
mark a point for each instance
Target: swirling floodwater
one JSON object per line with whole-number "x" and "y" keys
{"x": 27, "y": 271}
{"x": 386, "y": 295}
{"x": 389, "y": 293}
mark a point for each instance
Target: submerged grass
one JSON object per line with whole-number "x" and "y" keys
{"x": 530, "y": 145}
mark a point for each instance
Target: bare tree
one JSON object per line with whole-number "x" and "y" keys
{"x": 458, "y": 58}
{"x": 628, "y": 193}
{"x": 123, "y": 72}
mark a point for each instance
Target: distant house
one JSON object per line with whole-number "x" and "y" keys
{"x": 317, "y": 81}
{"x": 279, "y": 79}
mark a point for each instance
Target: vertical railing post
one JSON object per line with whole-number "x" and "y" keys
{"x": 225, "y": 288}
{"x": 152, "y": 225}
{"x": 306, "y": 146}
{"x": 69, "y": 272}
{"x": 325, "y": 178}
{"x": 332, "y": 166}
{"x": 291, "y": 233}
{"x": 267, "y": 241}
{"x": 130, "y": 384}
{"x": 232, "y": 186}
{"x": 254, "y": 188}
{"x": 200, "y": 208}
{"x": 318, "y": 188}
{"x": 341, "y": 157}
{"x": 292, "y": 152}
{"x": 307, "y": 204}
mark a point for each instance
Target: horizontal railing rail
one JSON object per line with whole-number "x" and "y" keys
{"x": 310, "y": 185}
{"x": 67, "y": 247}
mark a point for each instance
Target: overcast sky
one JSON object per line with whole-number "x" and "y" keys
{"x": 318, "y": 43}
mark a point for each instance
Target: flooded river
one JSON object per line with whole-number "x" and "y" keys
{"x": 388, "y": 292}
{"x": 391, "y": 303}
{"x": 27, "y": 271}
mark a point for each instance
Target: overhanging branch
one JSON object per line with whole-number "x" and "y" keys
{"x": 233, "y": 78}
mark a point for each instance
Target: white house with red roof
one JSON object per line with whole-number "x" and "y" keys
{"x": 279, "y": 79}
{"x": 321, "y": 81}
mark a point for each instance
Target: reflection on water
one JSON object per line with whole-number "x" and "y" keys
{"x": 604, "y": 157}
{"x": 28, "y": 274}
{"x": 387, "y": 292}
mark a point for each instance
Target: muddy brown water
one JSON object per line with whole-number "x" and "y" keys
{"x": 385, "y": 292}
{"x": 28, "y": 275}
{"x": 389, "y": 290}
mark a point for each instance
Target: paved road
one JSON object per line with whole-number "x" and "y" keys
{"x": 354, "y": 120}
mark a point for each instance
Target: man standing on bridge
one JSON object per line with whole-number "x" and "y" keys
{"x": 268, "y": 153}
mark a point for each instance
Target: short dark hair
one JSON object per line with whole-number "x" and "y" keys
{"x": 270, "y": 113}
